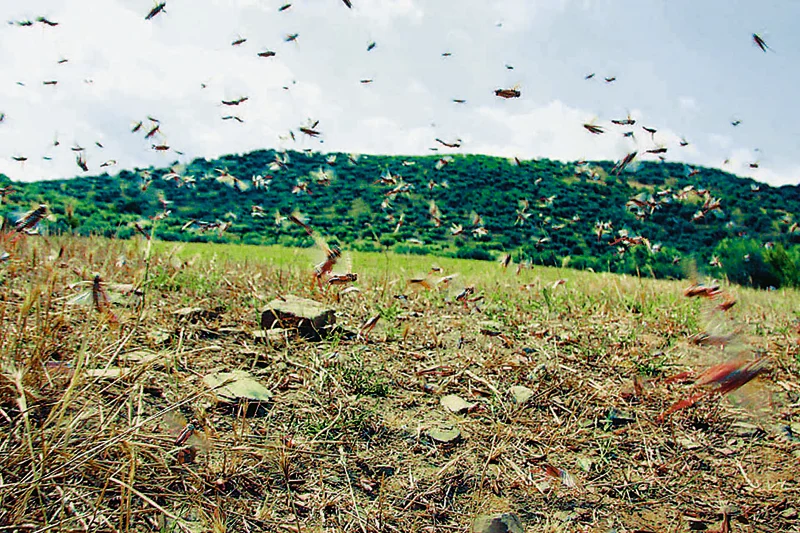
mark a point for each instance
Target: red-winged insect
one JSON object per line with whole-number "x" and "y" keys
{"x": 189, "y": 437}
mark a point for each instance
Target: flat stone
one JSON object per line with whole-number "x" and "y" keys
{"x": 239, "y": 386}
{"x": 444, "y": 434}
{"x": 520, "y": 394}
{"x": 497, "y": 523}
{"x": 275, "y": 335}
{"x": 107, "y": 373}
{"x": 312, "y": 319}
{"x": 456, "y": 404}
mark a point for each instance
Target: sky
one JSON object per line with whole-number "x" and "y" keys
{"x": 688, "y": 69}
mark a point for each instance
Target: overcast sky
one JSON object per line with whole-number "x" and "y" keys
{"x": 684, "y": 67}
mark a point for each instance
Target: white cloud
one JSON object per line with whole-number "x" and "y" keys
{"x": 139, "y": 68}
{"x": 687, "y": 103}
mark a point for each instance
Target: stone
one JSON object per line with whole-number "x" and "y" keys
{"x": 237, "y": 386}
{"x": 107, "y": 373}
{"x": 456, "y": 404}
{"x": 312, "y": 319}
{"x": 275, "y": 335}
{"x": 520, "y": 394}
{"x": 444, "y": 434}
{"x": 497, "y": 523}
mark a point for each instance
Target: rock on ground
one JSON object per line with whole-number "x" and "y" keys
{"x": 311, "y": 319}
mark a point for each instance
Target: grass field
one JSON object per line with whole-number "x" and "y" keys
{"x": 355, "y": 437}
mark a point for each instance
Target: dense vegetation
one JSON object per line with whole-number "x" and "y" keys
{"x": 752, "y": 239}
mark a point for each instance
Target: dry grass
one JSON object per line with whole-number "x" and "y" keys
{"x": 85, "y": 443}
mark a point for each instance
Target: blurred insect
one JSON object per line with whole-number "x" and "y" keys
{"x": 559, "y": 474}
{"x": 508, "y": 93}
{"x": 651, "y": 131}
{"x": 459, "y": 101}
{"x": 464, "y": 295}
{"x": 721, "y": 380}
{"x": 505, "y": 260}
{"x": 292, "y": 37}
{"x": 367, "y": 327}
{"x": 80, "y": 160}
{"x": 136, "y": 127}
{"x": 238, "y": 41}
{"x": 284, "y": 7}
{"x": 152, "y": 131}
{"x": 758, "y": 41}
{"x": 28, "y": 222}
{"x": 697, "y": 289}
{"x": 138, "y": 226}
{"x": 420, "y": 283}
{"x": 628, "y": 121}
{"x": 735, "y": 122}
{"x": 110, "y": 162}
{"x": 435, "y": 214}
{"x": 160, "y": 147}
{"x": 297, "y": 218}
{"x": 627, "y": 160}
{"x": 189, "y": 437}
{"x": 456, "y": 144}
{"x": 46, "y": 22}
{"x": 158, "y": 8}
{"x": 371, "y": 46}
{"x": 99, "y": 298}
{"x": 233, "y": 117}
{"x": 348, "y": 3}
{"x": 236, "y": 101}
{"x": 231, "y": 181}
{"x": 342, "y": 279}
{"x": 310, "y": 129}
{"x": 332, "y": 254}
{"x": 684, "y": 142}
{"x": 591, "y": 128}
{"x": 267, "y": 53}
{"x": 19, "y": 158}
{"x": 443, "y": 162}
{"x": 50, "y": 82}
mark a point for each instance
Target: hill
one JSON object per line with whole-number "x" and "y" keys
{"x": 642, "y": 220}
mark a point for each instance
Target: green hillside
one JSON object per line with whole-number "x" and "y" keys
{"x": 583, "y": 216}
